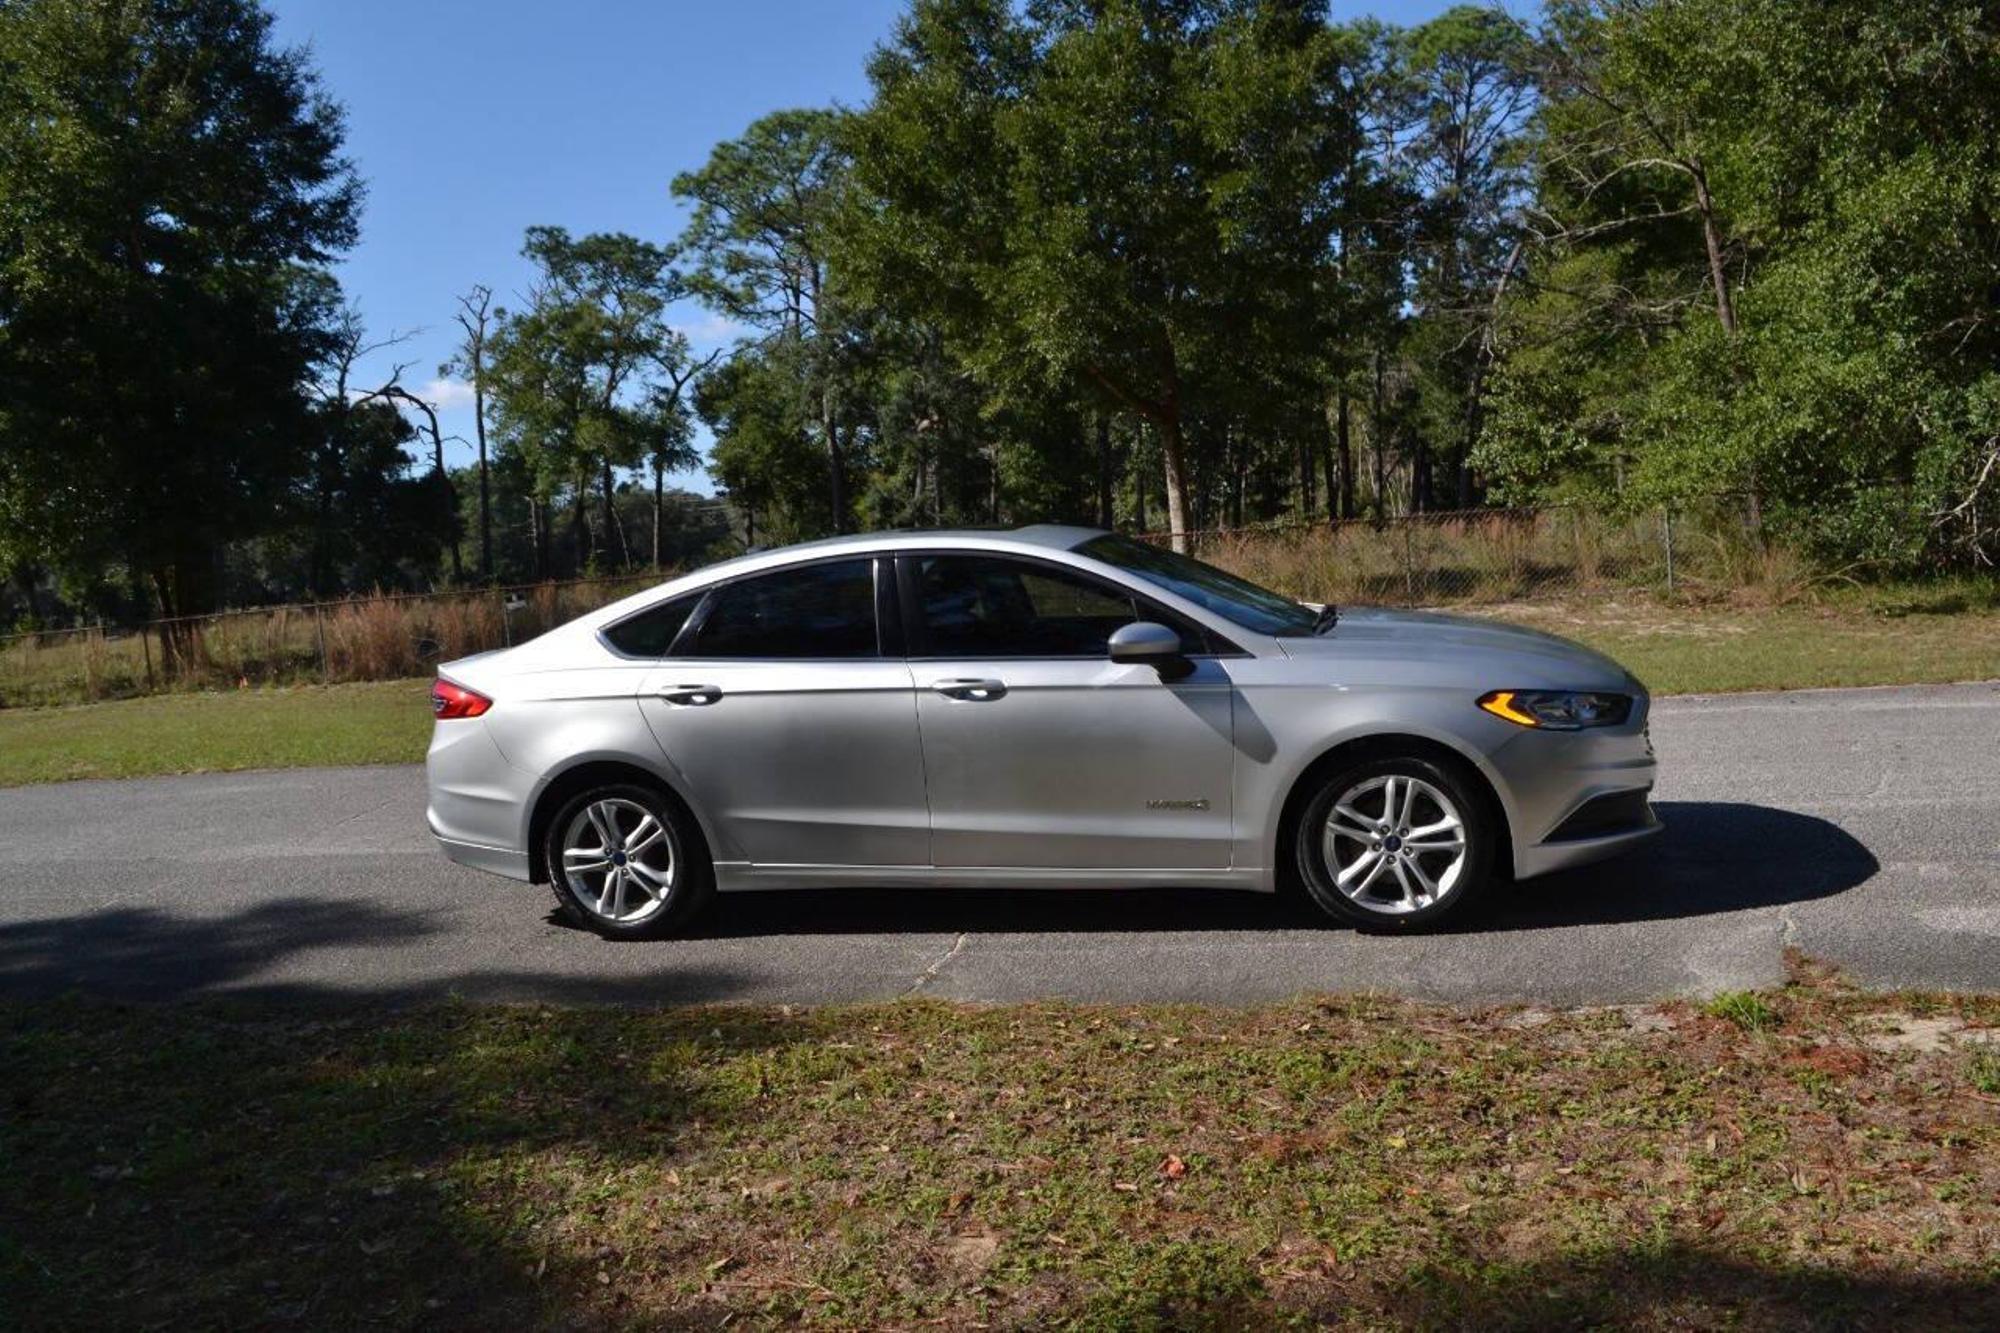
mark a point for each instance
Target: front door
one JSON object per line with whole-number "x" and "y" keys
{"x": 1039, "y": 751}
{"x": 790, "y": 726}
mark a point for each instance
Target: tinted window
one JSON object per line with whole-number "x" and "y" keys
{"x": 1235, "y": 599}
{"x": 824, "y": 610}
{"x": 990, "y": 606}
{"x": 652, "y": 631}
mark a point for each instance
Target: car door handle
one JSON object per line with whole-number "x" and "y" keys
{"x": 972, "y": 691}
{"x": 691, "y": 694}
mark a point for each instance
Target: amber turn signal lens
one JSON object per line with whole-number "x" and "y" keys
{"x": 1500, "y": 703}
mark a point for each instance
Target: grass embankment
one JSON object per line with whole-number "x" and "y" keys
{"x": 1878, "y": 637}
{"x": 1785, "y": 1160}
{"x": 1882, "y": 639}
{"x": 376, "y": 723}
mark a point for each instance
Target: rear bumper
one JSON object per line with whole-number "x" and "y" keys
{"x": 478, "y": 801}
{"x": 495, "y": 860}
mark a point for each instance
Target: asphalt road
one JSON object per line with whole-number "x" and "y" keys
{"x": 1861, "y": 826}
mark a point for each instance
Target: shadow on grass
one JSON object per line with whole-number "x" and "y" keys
{"x": 1682, "y": 1285}
{"x": 238, "y": 1165}
{"x": 219, "y": 1165}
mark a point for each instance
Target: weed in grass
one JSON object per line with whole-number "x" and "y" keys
{"x": 1985, "y": 1072}
{"x": 1745, "y": 1009}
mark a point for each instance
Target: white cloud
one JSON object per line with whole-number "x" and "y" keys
{"x": 713, "y": 330}
{"x": 444, "y": 394}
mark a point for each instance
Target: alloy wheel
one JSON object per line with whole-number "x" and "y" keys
{"x": 1394, "y": 844}
{"x": 618, "y": 860}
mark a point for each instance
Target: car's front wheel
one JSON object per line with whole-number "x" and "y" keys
{"x": 1396, "y": 842}
{"x": 625, "y": 862}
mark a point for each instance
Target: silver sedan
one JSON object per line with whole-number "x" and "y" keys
{"x": 1048, "y": 707}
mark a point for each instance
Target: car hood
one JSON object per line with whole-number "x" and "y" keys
{"x": 1483, "y": 650}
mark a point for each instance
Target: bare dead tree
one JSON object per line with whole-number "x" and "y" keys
{"x": 473, "y": 317}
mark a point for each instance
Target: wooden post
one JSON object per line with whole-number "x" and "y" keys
{"x": 319, "y": 631}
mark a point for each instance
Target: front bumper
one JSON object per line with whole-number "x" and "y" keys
{"x": 1577, "y": 796}
{"x": 1561, "y": 854}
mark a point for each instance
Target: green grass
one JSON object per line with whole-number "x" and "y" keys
{"x": 386, "y": 722}
{"x": 1746, "y": 1009}
{"x": 1847, "y": 641}
{"x": 1878, "y": 640}
{"x": 1352, "y": 1161}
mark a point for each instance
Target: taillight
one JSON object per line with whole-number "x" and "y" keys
{"x": 450, "y": 700}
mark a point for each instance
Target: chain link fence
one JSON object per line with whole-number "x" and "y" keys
{"x": 1461, "y": 558}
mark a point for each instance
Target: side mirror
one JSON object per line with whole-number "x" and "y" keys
{"x": 1150, "y": 644}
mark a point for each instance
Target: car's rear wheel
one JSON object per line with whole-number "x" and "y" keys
{"x": 1396, "y": 842}
{"x": 625, "y": 861}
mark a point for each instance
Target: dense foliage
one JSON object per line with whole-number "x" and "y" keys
{"x": 1165, "y": 264}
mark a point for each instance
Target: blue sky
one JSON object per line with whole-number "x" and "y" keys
{"x": 471, "y": 122}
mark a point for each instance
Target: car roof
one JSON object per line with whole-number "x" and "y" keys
{"x": 1060, "y": 536}
{"x": 1048, "y": 536}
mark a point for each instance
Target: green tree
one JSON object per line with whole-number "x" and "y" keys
{"x": 1467, "y": 91}
{"x": 1125, "y": 195}
{"x": 575, "y": 376}
{"x": 758, "y": 233}
{"x": 171, "y": 187}
{"x": 1770, "y": 270}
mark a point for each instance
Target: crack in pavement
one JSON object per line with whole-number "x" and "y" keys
{"x": 930, "y": 973}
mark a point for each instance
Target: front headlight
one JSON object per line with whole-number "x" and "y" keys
{"x": 1558, "y": 710}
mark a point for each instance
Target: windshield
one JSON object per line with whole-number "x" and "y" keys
{"x": 1238, "y": 601}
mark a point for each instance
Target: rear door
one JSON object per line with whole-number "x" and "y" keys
{"x": 1042, "y": 752}
{"x": 792, "y": 718}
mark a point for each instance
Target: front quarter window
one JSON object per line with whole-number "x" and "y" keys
{"x": 1236, "y": 600}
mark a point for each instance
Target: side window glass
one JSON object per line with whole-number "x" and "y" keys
{"x": 821, "y": 610}
{"x": 990, "y": 606}
{"x": 651, "y": 632}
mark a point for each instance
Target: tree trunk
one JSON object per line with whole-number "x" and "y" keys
{"x": 1375, "y": 443}
{"x": 1138, "y": 493}
{"x": 1104, "y": 478}
{"x": 1339, "y": 484}
{"x": 614, "y": 526}
{"x": 836, "y": 483}
{"x": 485, "y": 490}
{"x": 1232, "y": 457}
{"x": 659, "y": 509}
{"x": 1725, "y": 308}
{"x": 1174, "y": 456}
{"x": 538, "y": 536}
{"x": 579, "y": 527}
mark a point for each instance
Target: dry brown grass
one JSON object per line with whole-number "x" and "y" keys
{"x": 374, "y": 637}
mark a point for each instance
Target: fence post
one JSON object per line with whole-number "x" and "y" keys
{"x": 1409, "y": 564}
{"x": 506, "y": 618}
{"x": 146, "y": 647}
{"x": 319, "y": 632}
{"x": 1667, "y": 526}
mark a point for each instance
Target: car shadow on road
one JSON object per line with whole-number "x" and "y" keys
{"x": 1713, "y": 857}
{"x": 146, "y": 954}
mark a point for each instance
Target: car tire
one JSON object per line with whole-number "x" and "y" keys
{"x": 656, "y": 849}
{"x": 1374, "y": 843}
